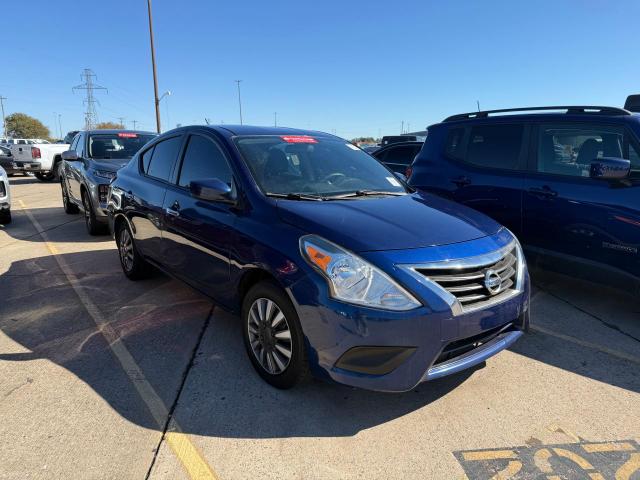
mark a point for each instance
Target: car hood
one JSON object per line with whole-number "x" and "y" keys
{"x": 388, "y": 223}
{"x": 111, "y": 165}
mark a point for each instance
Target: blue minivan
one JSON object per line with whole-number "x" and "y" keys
{"x": 335, "y": 266}
{"x": 564, "y": 180}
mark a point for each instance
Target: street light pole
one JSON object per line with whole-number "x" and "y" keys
{"x": 275, "y": 119}
{"x": 153, "y": 63}
{"x": 239, "y": 100}
{"x": 4, "y": 122}
{"x": 60, "y": 126}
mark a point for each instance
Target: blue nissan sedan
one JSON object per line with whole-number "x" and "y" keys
{"x": 336, "y": 267}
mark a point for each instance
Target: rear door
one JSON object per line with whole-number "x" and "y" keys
{"x": 157, "y": 164}
{"x": 573, "y": 219}
{"x": 398, "y": 157}
{"x": 198, "y": 233}
{"x": 485, "y": 169}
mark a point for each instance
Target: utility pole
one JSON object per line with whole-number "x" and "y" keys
{"x": 90, "y": 116}
{"x": 4, "y": 123}
{"x": 134, "y": 123}
{"x": 402, "y": 128}
{"x": 153, "y": 63}
{"x": 478, "y": 103}
{"x": 239, "y": 100}
{"x": 121, "y": 120}
{"x": 60, "y": 126}
{"x": 275, "y": 119}
{"x": 55, "y": 124}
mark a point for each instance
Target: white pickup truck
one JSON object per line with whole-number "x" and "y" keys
{"x": 41, "y": 158}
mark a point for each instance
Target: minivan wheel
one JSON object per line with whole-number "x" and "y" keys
{"x": 69, "y": 207}
{"x": 134, "y": 266}
{"x": 93, "y": 227}
{"x": 273, "y": 336}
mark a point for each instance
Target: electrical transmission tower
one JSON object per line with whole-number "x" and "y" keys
{"x": 90, "y": 115}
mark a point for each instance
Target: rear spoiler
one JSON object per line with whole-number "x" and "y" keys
{"x": 633, "y": 103}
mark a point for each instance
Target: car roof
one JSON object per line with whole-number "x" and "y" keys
{"x": 240, "y": 130}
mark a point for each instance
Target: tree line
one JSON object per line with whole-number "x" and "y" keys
{"x": 21, "y": 125}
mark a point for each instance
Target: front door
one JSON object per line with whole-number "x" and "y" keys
{"x": 198, "y": 233}
{"x": 573, "y": 219}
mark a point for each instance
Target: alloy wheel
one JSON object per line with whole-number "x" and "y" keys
{"x": 125, "y": 247}
{"x": 87, "y": 210}
{"x": 269, "y": 336}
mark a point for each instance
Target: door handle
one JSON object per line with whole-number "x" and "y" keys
{"x": 545, "y": 192}
{"x": 461, "y": 181}
{"x": 173, "y": 210}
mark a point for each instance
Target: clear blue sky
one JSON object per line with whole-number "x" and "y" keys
{"x": 356, "y": 67}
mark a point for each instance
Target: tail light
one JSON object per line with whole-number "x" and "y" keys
{"x": 35, "y": 152}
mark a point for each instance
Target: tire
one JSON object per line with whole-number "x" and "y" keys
{"x": 265, "y": 334}
{"x": 93, "y": 227}
{"x": 5, "y": 217}
{"x": 134, "y": 266}
{"x": 45, "y": 176}
{"x": 69, "y": 208}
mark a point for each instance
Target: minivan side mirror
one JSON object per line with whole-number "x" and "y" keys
{"x": 212, "y": 189}
{"x": 70, "y": 156}
{"x": 610, "y": 168}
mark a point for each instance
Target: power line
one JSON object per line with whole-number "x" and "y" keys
{"x": 90, "y": 116}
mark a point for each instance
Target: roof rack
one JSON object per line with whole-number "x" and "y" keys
{"x": 570, "y": 109}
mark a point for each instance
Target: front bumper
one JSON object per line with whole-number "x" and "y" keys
{"x": 334, "y": 328}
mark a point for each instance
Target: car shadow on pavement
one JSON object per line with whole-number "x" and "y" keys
{"x": 161, "y": 321}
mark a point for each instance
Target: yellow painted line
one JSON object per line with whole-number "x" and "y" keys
{"x": 191, "y": 459}
{"x": 583, "y": 343}
{"x": 609, "y": 447}
{"x": 574, "y": 457}
{"x": 509, "y": 471}
{"x": 596, "y": 476}
{"x": 541, "y": 460}
{"x": 489, "y": 455}
{"x": 629, "y": 468}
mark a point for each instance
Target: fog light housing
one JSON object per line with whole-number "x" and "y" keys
{"x": 374, "y": 360}
{"x": 103, "y": 190}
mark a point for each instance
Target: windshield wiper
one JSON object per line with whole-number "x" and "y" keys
{"x": 296, "y": 196}
{"x": 365, "y": 193}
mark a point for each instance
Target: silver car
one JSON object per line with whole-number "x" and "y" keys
{"x": 89, "y": 166}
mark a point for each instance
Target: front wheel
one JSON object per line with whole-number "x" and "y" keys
{"x": 273, "y": 336}
{"x": 93, "y": 227}
{"x": 5, "y": 217}
{"x": 69, "y": 207}
{"x": 134, "y": 266}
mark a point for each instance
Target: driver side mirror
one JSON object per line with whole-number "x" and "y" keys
{"x": 610, "y": 168}
{"x": 212, "y": 190}
{"x": 70, "y": 156}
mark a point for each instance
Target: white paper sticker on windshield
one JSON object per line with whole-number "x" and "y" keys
{"x": 352, "y": 146}
{"x": 393, "y": 181}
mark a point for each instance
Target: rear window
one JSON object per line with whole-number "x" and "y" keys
{"x": 454, "y": 144}
{"x": 163, "y": 157}
{"x": 116, "y": 145}
{"x": 495, "y": 146}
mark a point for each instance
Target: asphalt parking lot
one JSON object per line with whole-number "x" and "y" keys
{"x": 101, "y": 377}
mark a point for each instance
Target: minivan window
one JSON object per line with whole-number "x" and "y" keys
{"x": 314, "y": 166}
{"x": 495, "y": 146}
{"x": 163, "y": 157}
{"x": 203, "y": 159}
{"x": 566, "y": 149}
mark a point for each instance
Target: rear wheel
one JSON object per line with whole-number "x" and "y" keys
{"x": 69, "y": 207}
{"x": 46, "y": 176}
{"x": 133, "y": 264}
{"x": 93, "y": 227}
{"x": 273, "y": 336}
{"x": 5, "y": 217}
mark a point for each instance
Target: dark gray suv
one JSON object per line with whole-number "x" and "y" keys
{"x": 89, "y": 166}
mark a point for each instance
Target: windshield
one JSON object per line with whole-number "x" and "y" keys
{"x": 116, "y": 145}
{"x": 300, "y": 164}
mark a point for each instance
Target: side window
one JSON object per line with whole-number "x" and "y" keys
{"x": 145, "y": 158}
{"x": 568, "y": 149}
{"x": 454, "y": 144}
{"x": 403, "y": 155}
{"x": 634, "y": 157}
{"x": 163, "y": 157}
{"x": 80, "y": 145}
{"x": 203, "y": 159}
{"x": 74, "y": 143}
{"x": 495, "y": 146}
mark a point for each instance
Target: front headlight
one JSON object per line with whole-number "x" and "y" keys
{"x": 104, "y": 174}
{"x": 354, "y": 280}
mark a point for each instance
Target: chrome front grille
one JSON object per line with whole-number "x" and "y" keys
{"x": 472, "y": 283}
